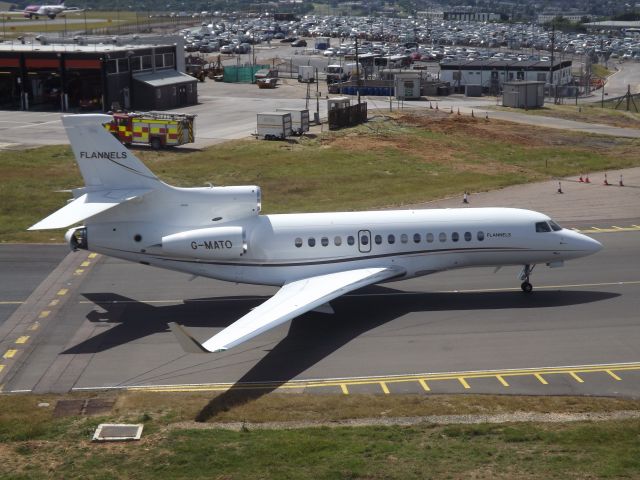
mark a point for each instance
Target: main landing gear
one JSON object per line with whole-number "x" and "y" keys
{"x": 524, "y": 276}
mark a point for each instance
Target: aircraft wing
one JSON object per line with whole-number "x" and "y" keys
{"x": 86, "y": 206}
{"x": 292, "y": 300}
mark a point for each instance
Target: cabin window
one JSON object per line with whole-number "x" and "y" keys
{"x": 378, "y": 239}
{"x": 429, "y": 237}
{"x": 364, "y": 240}
{"x": 542, "y": 227}
{"x": 554, "y": 226}
{"x": 351, "y": 240}
{"x": 417, "y": 238}
{"x": 442, "y": 237}
{"x": 404, "y": 238}
{"x": 467, "y": 236}
{"x": 337, "y": 241}
{"x": 311, "y": 242}
{"x": 480, "y": 236}
{"x": 324, "y": 241}
{"x": 455, "y": 237}
{"x": 391, "y": 239}
{"x": 298, "y": 242}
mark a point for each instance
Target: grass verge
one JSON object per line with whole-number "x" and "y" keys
{"x": 588, "y": 113}
{"x": 35, "y": 445}
{"x": 387, "y": 162}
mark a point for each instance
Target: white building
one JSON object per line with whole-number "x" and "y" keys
{"x": 492, "y": 73}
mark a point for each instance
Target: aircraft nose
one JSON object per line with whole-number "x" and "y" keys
{"x": 592, "y": 245}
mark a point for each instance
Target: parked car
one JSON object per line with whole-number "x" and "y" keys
{"x": 226, "y": 49}
{"x": 299, "y": 43}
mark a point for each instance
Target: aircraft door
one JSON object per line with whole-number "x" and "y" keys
{"x": 364, "y": 241}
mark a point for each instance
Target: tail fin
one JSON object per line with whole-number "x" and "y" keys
{"x": 112, "y": 174}
{"x": 103, "y": 161}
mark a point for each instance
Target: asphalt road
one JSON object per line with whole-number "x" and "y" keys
{"x": 22, "y": 269}
{"x": 109, "y": 330}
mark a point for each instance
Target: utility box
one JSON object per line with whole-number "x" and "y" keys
{"x": 338, "y": 103}
{"x": 523, "y": 94}
{"x": 473, "y": 90}
{"x": 274, "y": 125}
{"x": 306, "y": 73}
{"x": 407, "y": 85}
{"x": 299, "y": 119}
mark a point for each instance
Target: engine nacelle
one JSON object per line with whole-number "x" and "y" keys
{"x": 77, "y": 238}
{"x": 214, "y": 242}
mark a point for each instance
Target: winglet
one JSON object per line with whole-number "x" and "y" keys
{"x": 187, "y": 342}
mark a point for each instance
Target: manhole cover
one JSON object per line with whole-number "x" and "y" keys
{"x": 113, "y": 432}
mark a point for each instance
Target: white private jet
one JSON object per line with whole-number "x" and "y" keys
{"x": 218, "y": 232}
{"x": 50, "y": 11}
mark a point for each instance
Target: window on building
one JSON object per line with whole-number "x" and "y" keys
{"x": 147, "y": 63}
{"x": 123, "y": 65}
{"x": 159, "y": 61}
{"x": 520, "y": 75}
{"x": 542, "y": 77}
{"x": 136, "y": 64}
{"x": 158, "y": 94}
{"x": 112, "y": 66}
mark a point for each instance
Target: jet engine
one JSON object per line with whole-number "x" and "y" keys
{"x": 77, "y": 238}
{"x": 207, "y": 243}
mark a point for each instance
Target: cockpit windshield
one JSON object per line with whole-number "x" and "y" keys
{"x": 554, "y": 226}
{"x": 547, "y": 226}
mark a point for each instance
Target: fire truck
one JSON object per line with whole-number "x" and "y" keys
{"x": 152, "y": 128}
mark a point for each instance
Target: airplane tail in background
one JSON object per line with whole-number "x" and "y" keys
{"x": 103, "y": 161}
{"x": 112, "y": 174}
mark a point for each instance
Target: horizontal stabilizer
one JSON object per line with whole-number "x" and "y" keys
{"x": 86, "y": 206}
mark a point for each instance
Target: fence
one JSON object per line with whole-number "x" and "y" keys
{"x": 348, "y": 116}
{"x": 245, "y": 74}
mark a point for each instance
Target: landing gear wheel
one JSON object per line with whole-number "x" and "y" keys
{"x": 526, "y": 287}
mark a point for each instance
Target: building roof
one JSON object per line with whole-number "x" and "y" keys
{"x": 161, "y": 78}
{"x": 498, "y": 64}
{"x": 16, "y": 46}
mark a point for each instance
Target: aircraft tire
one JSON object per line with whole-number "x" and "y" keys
{"x": 526, "y": 287}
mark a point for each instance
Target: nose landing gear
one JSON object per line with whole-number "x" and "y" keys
{"x": 524, "y": 276}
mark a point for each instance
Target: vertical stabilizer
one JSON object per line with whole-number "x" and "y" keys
{"x": 104, "y": 162}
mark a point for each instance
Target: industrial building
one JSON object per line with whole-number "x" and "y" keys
{"x": 492, "y": 73}
{"x": 99, "y": 74}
